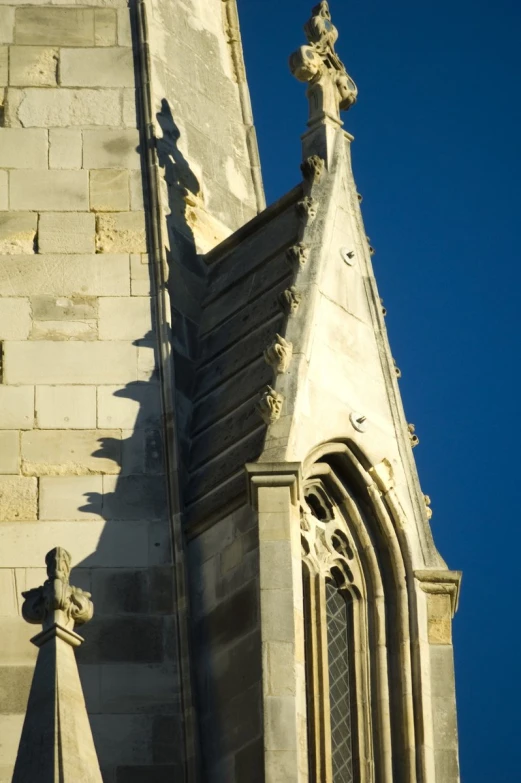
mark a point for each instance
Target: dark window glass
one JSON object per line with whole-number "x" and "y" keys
{"x": 339, "y": 685}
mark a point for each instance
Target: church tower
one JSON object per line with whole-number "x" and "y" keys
{"x": 198, "y": 401}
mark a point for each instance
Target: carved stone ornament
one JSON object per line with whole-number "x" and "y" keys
{"x": 307, "y": 209}
{"x": 279, "y": 354}
{"x": 56, "y": 602}
{"x": 331, "y": 89}
{"x": 428, "y": 508}
{"x": 313, "y": 168}
{"x": 298, "y": 254}
{"x": 413, "y": 438}
{"x": 289, "y": 300}
{"x": 269, "y": 406}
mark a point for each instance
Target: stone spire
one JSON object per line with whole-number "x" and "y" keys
{"x": 56, "y": 744}
{"x": 331, "y": 89}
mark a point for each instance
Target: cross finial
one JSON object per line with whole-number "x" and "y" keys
{"x": 331, "y": 89}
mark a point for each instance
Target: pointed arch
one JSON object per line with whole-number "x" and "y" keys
{"x": 346, "y": 497}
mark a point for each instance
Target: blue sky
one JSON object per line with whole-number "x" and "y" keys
{"x": 437, "y": 158}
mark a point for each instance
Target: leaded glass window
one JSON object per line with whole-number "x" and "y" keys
{"x": 338, "y": 633}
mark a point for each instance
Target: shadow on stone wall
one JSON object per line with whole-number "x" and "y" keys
{"x": 130, "y": 661}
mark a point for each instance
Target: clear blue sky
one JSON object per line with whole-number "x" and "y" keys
{"x": 437, "y": 158}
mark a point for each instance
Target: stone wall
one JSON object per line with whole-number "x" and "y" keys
{"x": 80, "y": 404}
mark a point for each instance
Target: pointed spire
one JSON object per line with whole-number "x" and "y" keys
{"x": 331, "y": 89}
{"x": 56, "y": 744}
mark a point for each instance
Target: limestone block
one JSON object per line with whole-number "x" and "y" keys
{"x": 18, "y": 233}
{"x": 140, "y": 284}
{"x": 64, "y": 330}
{"x": 105, "y": 23}
{"x": 69, "y": 363}
{"x": 66, "y": 407}
{"x": 124, "y": 30}
{"x": 439, "y": 618}
{"x": 10, "y": 731}
{"x": 136, "y": 190}
{"x": 55, "y": 26}
{"x": 16, "y": 407}
{"x": 131, "y": 687}
{"x": 122, "y": 739}
{"x": 108, "y": 67}
{"x": 65, "y": 148}
{"x": 65, "y": 276}
{"x": 62, "y": 108}
{"x": 124, "y": 318}
{"x": 70, "y": 452}
{"x": 110, "y": 149}
{"x": 3, "y": 66}
{"x": 75, "y": 308}
{"x": 9, "y": 451}
{"x": 134, "y": 405}
{"x": 134, "y": 497}
{"x": 280, "y": 723}
{"x": 4, "y": 190}
{"x": 33, "y": 66}
{"x": 8, "y": 598}
{"x": 15, "y": 319}
{"x": 6, "y": 24}
{"x": 70, "y": 498}
{"x": 109, "y": 190}
{"x": 66, "y": 233}
{"x": 129, "y": 107}
{"x": 147, "y": 364}
{"x": 15, "y": 682}
{"x": 22, "y": 148}
{"x": 18, "y": 498}
{"x": 121, "y": 232}
{"x": 49, "y": 190}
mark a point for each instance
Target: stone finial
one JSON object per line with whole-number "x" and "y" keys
{"x": 412, "y": 436}
{"x": 56, "y": 744}
{"x": 312, "y": 168}
{"x": 279, "y": 354}
{"x": 56, "y": 602}
{"x": 269, "y": 406}
{"x": 289, "y": 300}
{"x": 331, "y": 89}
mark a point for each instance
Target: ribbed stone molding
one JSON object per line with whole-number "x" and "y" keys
{"x": 56, "y": 744}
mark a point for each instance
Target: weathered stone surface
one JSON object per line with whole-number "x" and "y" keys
{"x": 4, "y": 52}
{"x": 67, "y": 498}
{"x": 62, "y": 107}
{"x": 111, "y": 149}
{"x": 124, "y": 640}
{"x": 130, "y": 688}
{"x": 4, "y": 190}
{"x": 55, "y": 26}
{"x": 65, "y": 148}
{"x": 22, "y": 148}
{"x": 124, "y": 30}
{"x": 74, "y": 452}
{"x": 121, "y": 232}
{"x": 136, "y": 190}
{"x": 18, "y": 499}
{"x": 134, "y": 497}
{"x": 140, "y": 273}
{"x": 66, "y": 407}
{"x": 134, "y": 405}
{"x": 64, "y": 330}
{"x": 105, "y": 24}
{"x": 15, "y": 319}
{"x": 108, "y": 67}
{"x": 64, "y": 276}
{"x": 16, "y": 407}
{"x": 50, "y": 191}
{"x": 74, "y": 363}
{"x": 9, "y": 451}
{"x": 109, "y": 190}
{"x": 66, "y": 233}
{"x": 15, "y": 682}
{"x": 6, "y": 24}
{"x": 18, "y": 233}
{"x": 33, "y": 66}
{"x": 57, "y": 308}
{"x": 125, "y": 318}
